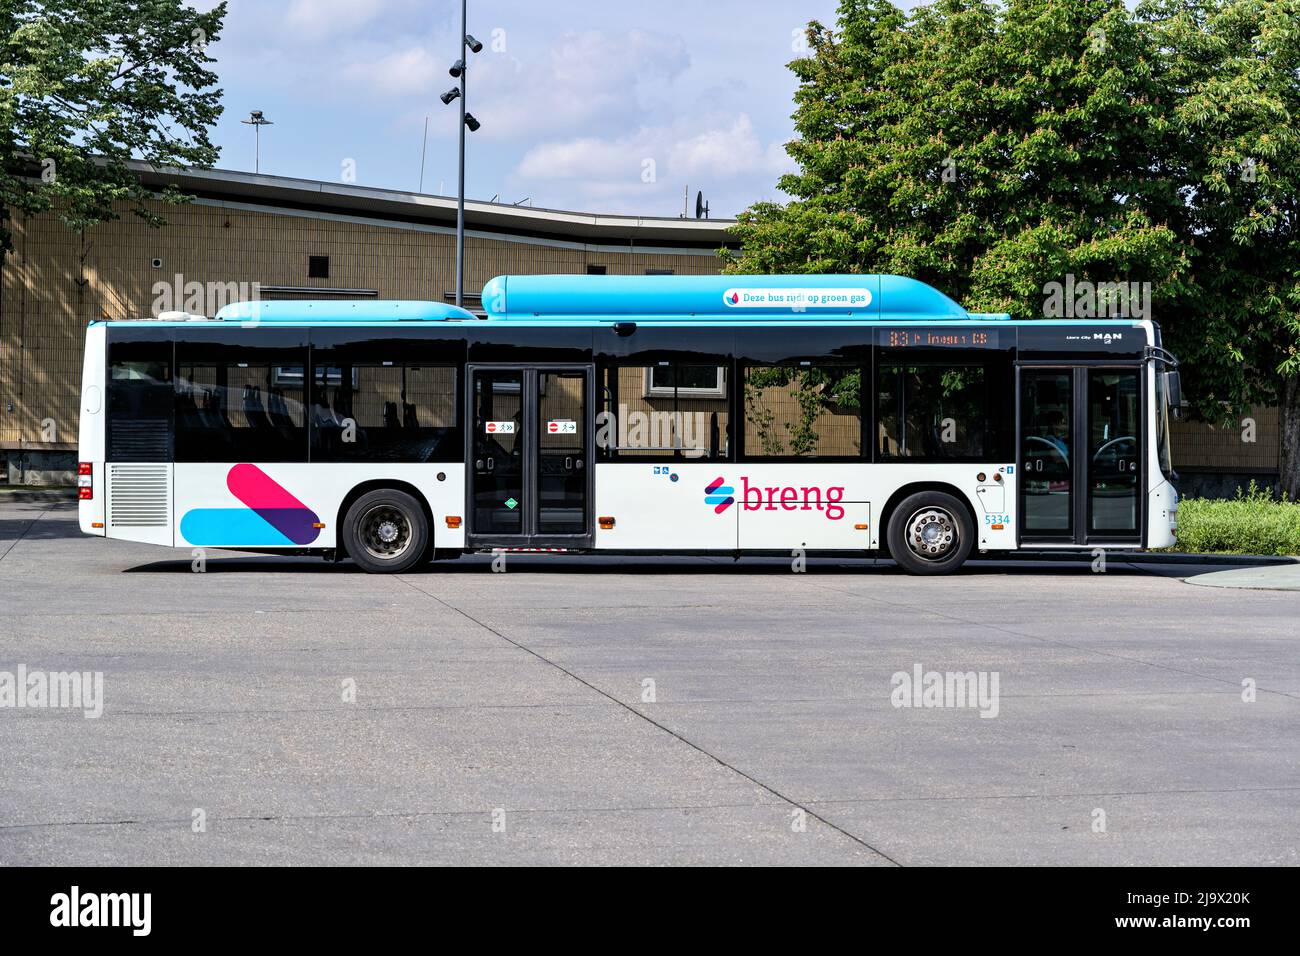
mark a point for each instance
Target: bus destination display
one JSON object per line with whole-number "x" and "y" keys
{"x": 948, "y": 337}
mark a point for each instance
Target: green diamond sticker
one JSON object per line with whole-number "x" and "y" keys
{"x": 511, "y": 504}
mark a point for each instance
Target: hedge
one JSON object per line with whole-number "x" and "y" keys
{"x": 1252, "y": 523}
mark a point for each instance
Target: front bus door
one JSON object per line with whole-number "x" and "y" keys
{"x": 1081, "y": 465}
{"x": 529, "y": 461}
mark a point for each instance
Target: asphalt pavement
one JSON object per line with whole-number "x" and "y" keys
{"x": 633, "y": 710}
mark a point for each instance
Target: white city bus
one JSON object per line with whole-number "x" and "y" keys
{"x": 663, "y": 414}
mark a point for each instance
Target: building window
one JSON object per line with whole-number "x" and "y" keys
{"x": 595, "y": 270}
{"x": 660, "y": 272}
{"x": 318, "y": 267}
{"x": 802, "y": 411}
{"x": 687, "y": 381}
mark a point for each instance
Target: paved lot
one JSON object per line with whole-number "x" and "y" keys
{"x": 1119, "y": 693}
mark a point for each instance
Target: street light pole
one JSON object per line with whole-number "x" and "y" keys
{"x": 257, "y": 121}
{"x": 460, "y": 191}
{"x": 459, "y": 70}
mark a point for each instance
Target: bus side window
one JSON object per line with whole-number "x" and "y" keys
{"x": 802, "y": 410}
{"x": 139, "y": 401}
{"x": 383, "y": 410}
{"x": 667, "y": 410}
{"x": 932, "y": 410}
{"x": 237, "y": 404}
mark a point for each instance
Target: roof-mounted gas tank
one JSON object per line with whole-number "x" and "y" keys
{"x": 305, "y": 311}
{"x": 717, "y": 298}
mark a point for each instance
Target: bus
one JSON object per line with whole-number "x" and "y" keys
{"x": 734, "y": 414}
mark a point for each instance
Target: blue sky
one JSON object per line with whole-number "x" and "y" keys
{"x": 575, "y": 98}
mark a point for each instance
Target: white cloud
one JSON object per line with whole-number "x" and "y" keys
{"x": 319, "y": 18}
{"x": 729, "y": 149}
{"x": 410, "y": 72}
{"x": 722, "y": 155}
{"x": 586, "y": 78}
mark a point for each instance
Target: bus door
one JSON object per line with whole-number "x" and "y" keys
{"x": 1081, "y": 461}
{"x": 529, "y": 458}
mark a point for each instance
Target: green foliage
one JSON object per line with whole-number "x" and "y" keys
{"x": 86, "y": 85}
{"x": 1230, "y": 69}
{"x": 1252, "y": 523}
{"x": 989, "y": 149}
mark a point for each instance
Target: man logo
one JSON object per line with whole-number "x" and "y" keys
{"x": 718, "y": 495}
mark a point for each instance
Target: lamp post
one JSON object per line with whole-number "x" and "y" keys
{"x": 458, "y": 70}
{"x": 257, "y": 121}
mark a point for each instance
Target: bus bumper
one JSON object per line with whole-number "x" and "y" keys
{"x": 1162, "y": 516}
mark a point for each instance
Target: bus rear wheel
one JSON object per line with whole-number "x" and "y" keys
{"x": 385, "y": 531}
{"x": 930, "y": 533}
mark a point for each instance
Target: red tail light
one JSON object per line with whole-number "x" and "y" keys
{"x": 85, "y": 481}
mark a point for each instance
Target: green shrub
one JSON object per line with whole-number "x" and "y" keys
{"x": 1252, "y": 523}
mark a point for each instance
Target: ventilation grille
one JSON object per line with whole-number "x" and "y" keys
{"x": 138, "y": 496}
{"x": 140, "y": 440}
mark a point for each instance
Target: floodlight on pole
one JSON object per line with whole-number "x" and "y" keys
{"x": 257, "y": 121}
{"x": 458, "y": 70}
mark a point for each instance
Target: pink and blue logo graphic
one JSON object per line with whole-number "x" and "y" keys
{"x": 719, "y": 495}
{"x": 270, "y": 516}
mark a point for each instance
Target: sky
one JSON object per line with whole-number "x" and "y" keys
{"x": 603, "y": 107}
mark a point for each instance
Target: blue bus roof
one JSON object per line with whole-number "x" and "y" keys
{"x": 723, "y": 298}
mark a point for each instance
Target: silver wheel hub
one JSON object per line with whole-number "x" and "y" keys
{"x": 932, "y": 534}
{"x": 385, "y": 532}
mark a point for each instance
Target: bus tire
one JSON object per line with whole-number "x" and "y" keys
{"x": 385, "y": 531}
{"x": 930, "y": 533}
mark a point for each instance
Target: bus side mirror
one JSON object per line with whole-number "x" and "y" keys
{"x": 1174, "y": 392}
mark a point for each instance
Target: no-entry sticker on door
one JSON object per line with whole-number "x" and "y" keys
{"x": 499, "y": 428}
{"x": 562, "y": 426}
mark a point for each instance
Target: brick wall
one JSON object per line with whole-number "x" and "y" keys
{"x": 1196, "y": 445}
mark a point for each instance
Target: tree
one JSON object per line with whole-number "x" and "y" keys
{"x": 1232, "y": 69}
{"x": 992, "y": 149}
{"x": 85, "y": 86}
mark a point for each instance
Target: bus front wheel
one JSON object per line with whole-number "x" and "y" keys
{"x": 385, "y": 531}
{"x": 930, "y": 533}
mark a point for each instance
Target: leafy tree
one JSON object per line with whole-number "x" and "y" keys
{"x": 86, "y": 85}
{"x": 990, "y": 149}
{"x": 1232, "y": 70}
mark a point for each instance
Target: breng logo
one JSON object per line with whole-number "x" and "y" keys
{"x": 776, "y": 497}
{"x": 718, "y": 495}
